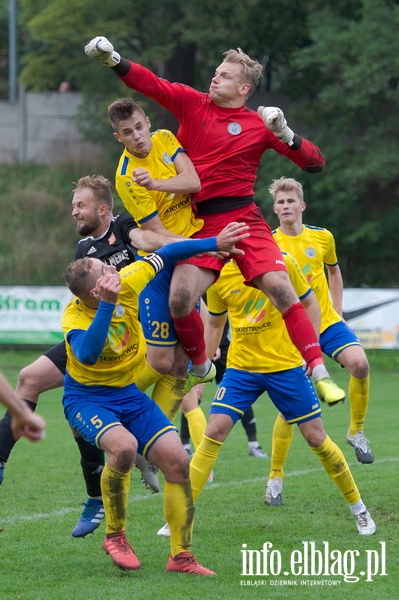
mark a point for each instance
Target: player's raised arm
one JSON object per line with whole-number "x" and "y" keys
{"x": 298, "y": 149}
{"x": 274, "y": 120}
{"x": 102, "y": 49}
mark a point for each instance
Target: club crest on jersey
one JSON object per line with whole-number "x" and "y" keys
{"x": 111, "y": 239}
{"x": 166, "y": 159}
{"x": 311, "y": 252}
{"x": 119, "y": 310}
{"x": 234, "y": 128}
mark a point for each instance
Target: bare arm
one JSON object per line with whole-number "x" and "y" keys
{"x": 149, "y": 240}
{"x": 336, "y": 284}
{"x": 186, "y": 181}
{"x": 213, "y": 332}
{"x": 24, "y": 421}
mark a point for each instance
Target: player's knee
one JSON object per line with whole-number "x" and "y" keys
{"x": 316, "y": 440}
{"x": 278, "y": 287}
{"x": 359, "y": 368}
{"x": 177, "y": 468}
{"x": 28, "y": 383}
{"x": 125, "y": 456}
{"x": 181, "y": 303}
{"x": 217, "y": 430}
{"x": 122, "y": 450}
{"x": 313, "y": 432}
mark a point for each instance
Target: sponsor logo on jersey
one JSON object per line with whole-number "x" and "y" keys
{"x": 234, "y": 128}
{"x": 174, "y": 207}
{"x": 254, "y": 311}
{"x": 307, "y": 274}
{"x": 118, "y": 257}
{"x": 92, "y": 250}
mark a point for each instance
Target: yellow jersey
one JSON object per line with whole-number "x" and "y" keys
{"x": 124, "y": 351}
{"x": 313, "y": 249}
{"x": 259, "y": 339}
{"x": 174, "y": 210}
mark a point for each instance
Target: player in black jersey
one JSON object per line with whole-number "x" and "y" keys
{"x": 113, "y": 240}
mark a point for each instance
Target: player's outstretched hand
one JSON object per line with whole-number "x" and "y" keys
{"x": 102, "y": 49}
{"x": 230, "y": 235}
{"x": 274, "y": 120}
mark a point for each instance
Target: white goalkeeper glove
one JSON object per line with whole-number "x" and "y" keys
{"x": 274, "y": 120}
{"x": 101, "y": 48}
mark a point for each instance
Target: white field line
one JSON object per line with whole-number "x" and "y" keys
{"x": 64, "y": 511}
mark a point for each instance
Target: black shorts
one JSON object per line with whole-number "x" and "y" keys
{"x": 57, "y": 355}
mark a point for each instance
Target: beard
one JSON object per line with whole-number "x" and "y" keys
{"x": 84, "y": 228}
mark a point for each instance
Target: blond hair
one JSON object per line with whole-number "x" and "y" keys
{"x": 285, "y": 184}
{"x": 251, "y": 69}
{"x": 100, "y": 186}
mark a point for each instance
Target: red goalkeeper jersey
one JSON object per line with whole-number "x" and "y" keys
{"x": 225, "y": 144}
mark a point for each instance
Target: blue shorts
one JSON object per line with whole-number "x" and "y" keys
{"x": 155, "y": 317}
{"x": 93, "y": 410}
{"x": 336, "y": 338}
{"x": 291, "y": 392}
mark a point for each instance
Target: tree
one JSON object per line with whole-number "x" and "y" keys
{"x": 346, "y": 82}
{"x": 336, "y": 60}
{"x": 4, "y": 33}
{"x": 179, "y": 40}
{"x": 182, "y": 39}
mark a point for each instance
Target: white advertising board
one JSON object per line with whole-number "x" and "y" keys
{"x": 373, "y": 314}
{"x": 32, "y": 314}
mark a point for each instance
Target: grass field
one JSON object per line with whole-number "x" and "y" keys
{"x": 43, "y": 488}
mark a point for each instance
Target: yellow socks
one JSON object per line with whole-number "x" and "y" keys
{"x": 179, "y": 513}
{"x": 282, "y": 436}
{"x": 167, "y": 391}
{"x": 202, "y": 464}
{"x": 196, "y": 424}
{"x": 168, "y": 394}
{"x": 359, "y": 392}
{"x": 337, "y": 469}
{"x": 147, "y": 377}
{"x": 115, "y": 492}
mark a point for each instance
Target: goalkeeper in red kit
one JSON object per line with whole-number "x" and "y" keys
{"x": 226, "y": 140}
